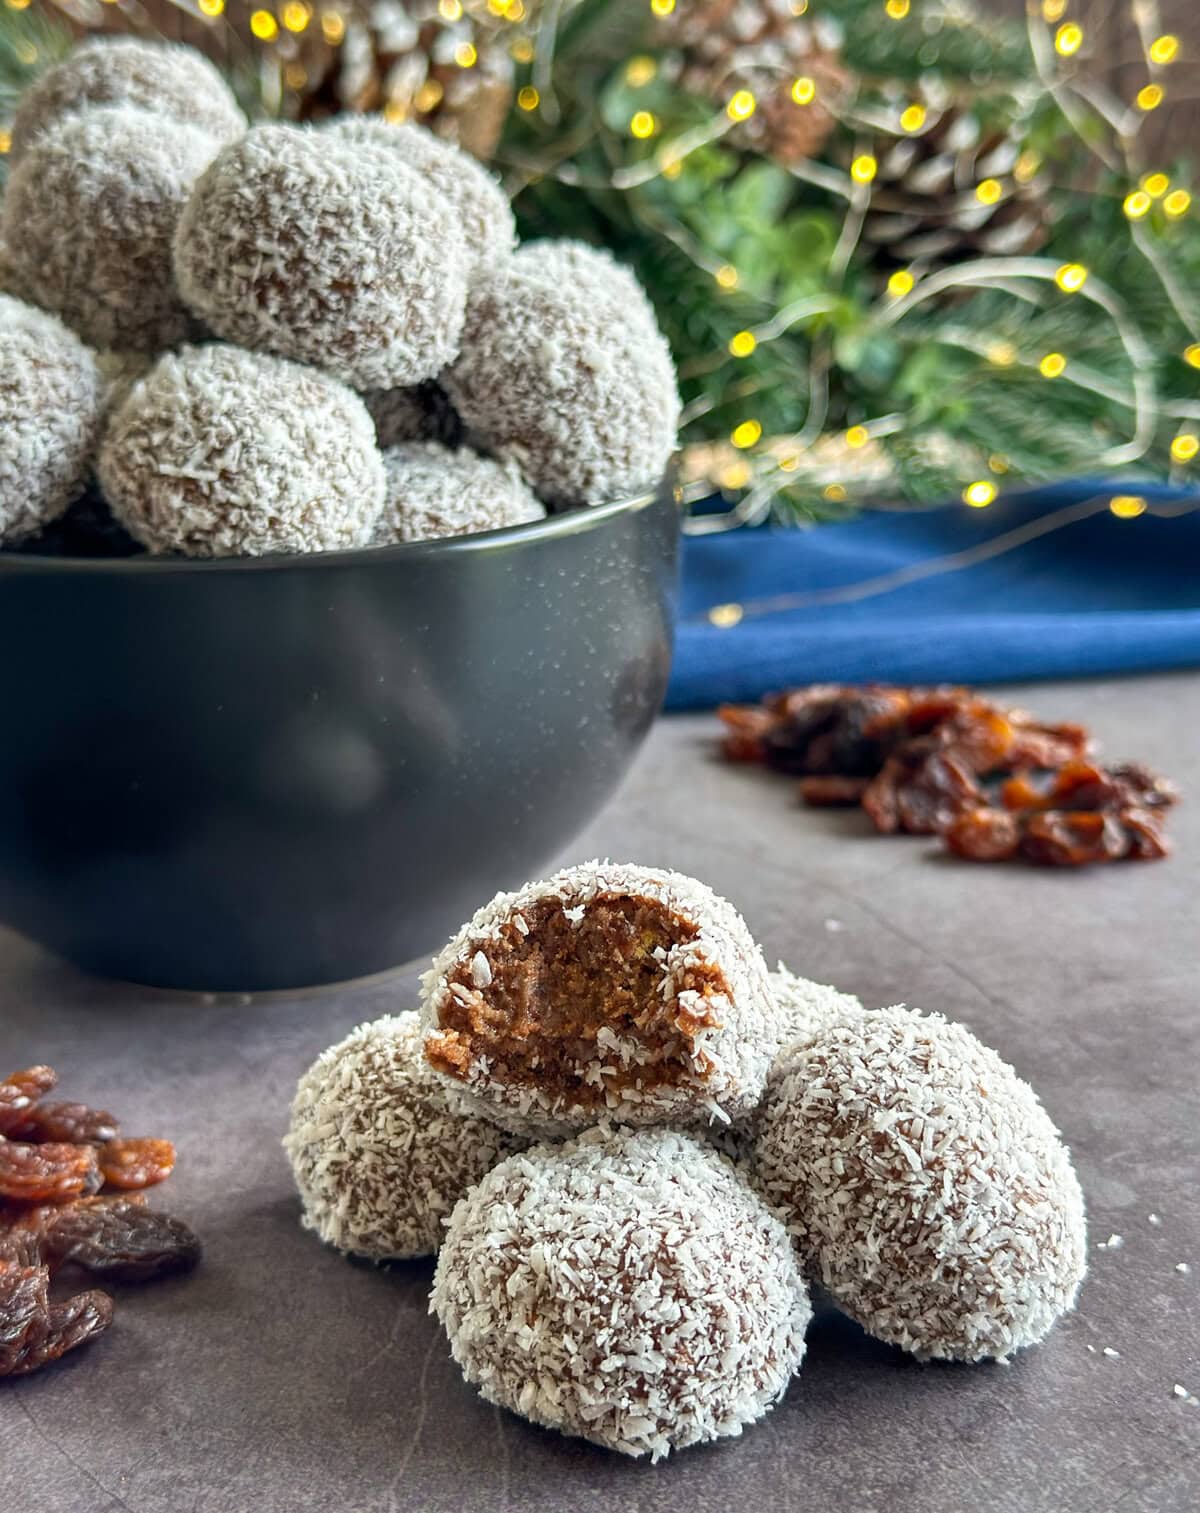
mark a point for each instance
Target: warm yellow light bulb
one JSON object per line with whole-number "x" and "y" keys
{"x": 897, "y": 9}
{"x": 1137, "y": 204}
{"x": 743, "y": 343}
{"x": 1053, "y": 10}
{"x": 736, "y": 475}
{"x": 295, "y": 16}
{"x": 1191, "y": 355}
{"x": 662, "y": 7}
{"x": 900, "y": 283}
{"x": 672, "y": 168}
{"x": 17, "y": 5}
{"x": 514, "y": 11}
{"x": 789, "y": 462}
{"x": 450, "y": 10}
{"x": 725, "y": 616}
{"x": 333, "y": 27}
{"x": 295, "y": 76}
{"x": 1156, "y": 185}
{"x": 1002, "y": 354}
{"x": 741, "y": 106}
{"x": 999, "y": 463}
{"x": 864, "y": 168}
{"x": 264, "y": 26}
{"x": 1071, "y": 277}
{"x": 804, "y": 90}
{"x": 1177, "y": 203}
{"x": 1164, "y": 49}
{"x": 988, "y": 191}
{"x": 1149, "y": 97}
{"x": 1127, "y": 506}
{"x": 429, "y": 96}
{"x": 211, "y": 8}
{"x": 1068, "y": 39}
{"x": 979, "y": 493}
{"x": 465, "y": 55}
{"x": 857, "y": 436}
{"x": 5, "y": 142}
{"x": 1026, "y": 166}
{"x": 912, "y": 117}
{"x": 727, "y": 276}
{"x": 746, "y": 434}
{"x": 395, "y": 113}
{"x": 640, "y": 71}
{"x": 835, "y": 493}
{"x": 522, "y": 50}
{"x": 528, "y": 98}
{"x": 1185, "y": 446}
{"x": 1052, "y": 365}
{"x": 642, "y": 125}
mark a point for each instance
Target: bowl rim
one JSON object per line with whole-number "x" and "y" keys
{"x": 570, "y": 523}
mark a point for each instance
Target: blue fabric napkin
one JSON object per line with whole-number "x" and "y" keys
{"x": 1098, "y": 594}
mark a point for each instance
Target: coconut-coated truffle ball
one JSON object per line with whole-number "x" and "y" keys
{"x": 51, "y": 406}
{"x": 805, "y": 1008}
{"x": 609, "y": 991}
{"x": 297, "y": 243}
{"x": 432, "y": 492}
{"x": 563, "y": 368}
{"x": 89, "y": 215}
{"x": 479, "y": 205}
{"x": 176, "y": 83}
{"x": 422, "y": 412}
{"x": 626, "y": 1287}
{"x": 378, "y": 1158}
{"x": 219, "y": 452}
{"x": 925, "y": 1185}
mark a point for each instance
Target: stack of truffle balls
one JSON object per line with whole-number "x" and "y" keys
{"x": 276, "y": 339}
{"x": 633, "y": 1148}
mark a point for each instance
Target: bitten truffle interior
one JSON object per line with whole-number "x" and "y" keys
{"x": 536, "y": 1001}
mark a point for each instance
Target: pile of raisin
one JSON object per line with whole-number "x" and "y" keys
{"x": 67, "y": 1198}
{"x": 995, "y": 784}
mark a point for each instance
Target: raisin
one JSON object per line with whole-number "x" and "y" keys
{"x": 69, "y": 1324}
{"x": 983, "y": 835}
{"x": 24, "y": 1311}
{"x": 49, "y": 1173}
{"x": 1143, "y": 828}
{"x": 122, "y": 1240}
{"x": 1073, "y": 838}
{"x": 72, "y": 1123}
{"x": 832, "y": 792}
{"x": 20, "y": 1092}
{"x": 136, "y": 1163}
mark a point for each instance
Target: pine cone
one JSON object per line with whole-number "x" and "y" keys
{"x": 762, "y": 46}
{"x": 924, "y": 207}
{"x": 404, "y": 58}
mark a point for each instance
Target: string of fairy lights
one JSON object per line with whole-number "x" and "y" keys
{"x": 760, "y": 465}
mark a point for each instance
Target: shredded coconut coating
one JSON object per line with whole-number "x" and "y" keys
{"x": 175, "y": 82}
{"x": 432, "y": 492}
{"x": 626, "y": 1287}
{"x": 378, "y": 1158}
{"x": 296, "y": 243}
{"x": 564, "y": 369}
{"x": 51, "y": 404}
{"x": 723, "y": 1071}
{"x": 803, "y": 1009}
{"x": 219, "y": 452}
{"x": 478, "y": 204}
{"x": 925, "y": 1185}
{"x": 89, "y": 215}
{"x": 420, "y": 413}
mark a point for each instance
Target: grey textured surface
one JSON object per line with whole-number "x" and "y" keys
{"x": 282, "y": 1379}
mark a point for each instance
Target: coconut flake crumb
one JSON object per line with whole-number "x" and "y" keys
{"x": 1180, "y": 1391}
{"x": 1113, "y": 1355}
{"x": 1114, "y": 1242}
{"x": 1155, "y": 1220}
{"x": 626, "y": 1287}
{"x": 1183, "y": 1268}
{"x": 834, "y": 925}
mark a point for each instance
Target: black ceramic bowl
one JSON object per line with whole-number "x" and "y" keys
{"x": 269, "y": 773}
